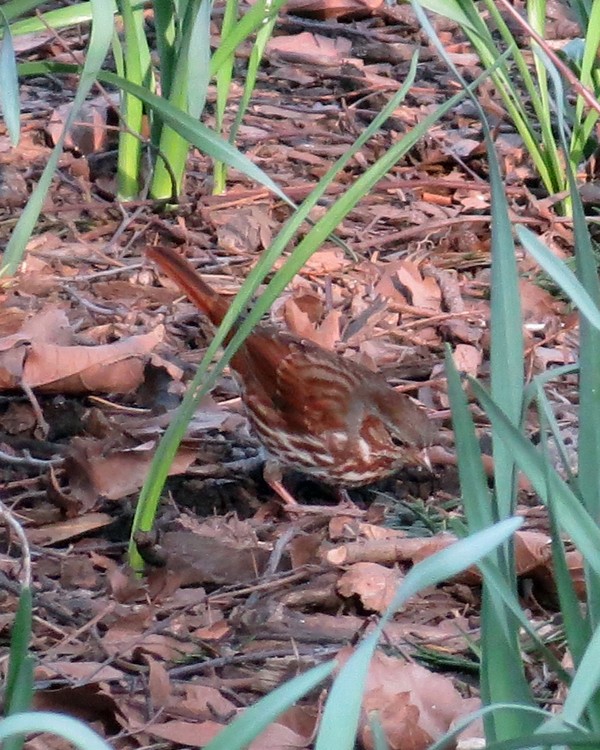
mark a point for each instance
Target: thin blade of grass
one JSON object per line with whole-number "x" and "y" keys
{"x": 130, "y": 147}
{"x": 60, "y": 18}
{"x": 473, "y": 480}
{"x": 502, "y": 674}
{"x": 561, "y": 274}
{"x": 571, "y": 515}
{"x": 249, "y": 725}
{"x": 10, "y": 106}
{"x": 100, "y": 39}
{"x": 73, "y": 730}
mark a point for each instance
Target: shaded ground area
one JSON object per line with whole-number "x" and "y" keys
{"x": 95, "y": 353}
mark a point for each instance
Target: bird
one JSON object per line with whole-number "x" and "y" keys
{"x": 312, "y": 409}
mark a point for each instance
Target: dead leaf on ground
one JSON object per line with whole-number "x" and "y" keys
{"x": 204, "y": 559}
{"x": 332, "y": 9}
{"x": 375, "y": 585}
{"x": 308, "y": 48}
{"x": 89, "y": 134}
{"x": 96, "y": 471}
{"x": 415, "y": 706}
{"x": 40, "y": 355}
{"x": 467, "y": 359}
{"x": 188, "y": 733}
{"x": 57, "y": 533}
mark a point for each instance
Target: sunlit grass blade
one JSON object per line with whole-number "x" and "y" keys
{"x": 136, "y": 61}
{"x": 223, "y": 78}
{"x": 10, "y": 106}
{"x": 173, "y": 145}
{"x": 100, "y": 39}
{"x": 59, "y": 18}
{"x": 73, "y": 730}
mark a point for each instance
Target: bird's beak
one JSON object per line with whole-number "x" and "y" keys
{"x": 424, "y": 460}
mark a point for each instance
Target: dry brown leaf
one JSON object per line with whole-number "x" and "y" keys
{"x": 190, "y": 733}
{"x": 40, "y": 355}
{"x": 206, "y": 559}
{"x": 54, "y": 533}
{"x": 403, "y": 281}
{"x": 96, "y": 472}
{"x": 206, "y": 701}
{"x": 331, "y": 9}
{"x": 576, "y": 569}
{"x": 90, "y": 703}
{"x": 538, "y": 305}
{"x": 532, "y": 550}
{"x": 310, "y": 48}
{"x": 327, "y": 334}
{"x": 243, "y": 230}
{"x": 375, "y": 585}
{"x": 89, "y": 134}
{"x": 77, "y": 670}
{"x": 110, "y": 368}
{"x": 414, "y": 705}
{"x": 276, "y": 736}
{"x": 159, "y": 684}
{"x": 468, "y": 359}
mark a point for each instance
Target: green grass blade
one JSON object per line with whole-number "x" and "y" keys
{"x": 73, "y": 730}
{"x": 561, "y": 274}
{"x": 254, "y": 720}
{"x": 15, "y": 8}
{"x": 166, "y": 34}
{"x": 172, "y": 144}
{"x": 20, "y": 639}
{"x": 19, "y": 683}
{"x": 502, "y": 674}
{"x": 262, "y": 37}
{"x": 100, "y": 39}
{"x": 199, "y": 61}
{"x": 250, "y": 22}
{"x": 224, "y": 77}
{"x": 473, "y": 480}
{"x": 135, "y": 63}
{"x": 61, "y": 18}
{"x": 571, "y": 515}
{"x": 10, "y": 106}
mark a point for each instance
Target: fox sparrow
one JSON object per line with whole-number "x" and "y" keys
{"x": 312, "y": 409}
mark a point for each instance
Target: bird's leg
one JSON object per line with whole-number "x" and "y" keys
{"x": 273, "y": 477}
{"x": 345, "y": 502}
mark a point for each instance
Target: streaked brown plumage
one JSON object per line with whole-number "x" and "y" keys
{"x": 312, "y": 409}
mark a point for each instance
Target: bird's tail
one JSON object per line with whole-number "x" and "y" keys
{"x": 182, "y": 272}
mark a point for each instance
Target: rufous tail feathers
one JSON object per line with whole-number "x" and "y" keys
{"x": 179, "y": 270}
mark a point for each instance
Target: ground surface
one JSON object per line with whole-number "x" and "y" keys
{"x": 244, "y": 596}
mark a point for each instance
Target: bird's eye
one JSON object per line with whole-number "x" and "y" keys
{"x": 397, "y": 441}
